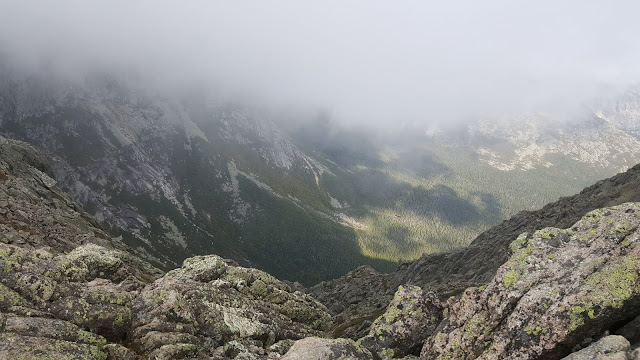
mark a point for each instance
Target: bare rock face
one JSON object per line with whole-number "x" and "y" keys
{"x": 411, "y": 317}
{"x": 558, "y": 288}
{"x": 327, "y": 349}
{"x": 213, "y": 301}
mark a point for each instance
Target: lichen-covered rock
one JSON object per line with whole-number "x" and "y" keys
{"x": 49, "y": 311}
{"x": 119, "y": 352}
{"x": 410, "y": 318}
{"x": 282, "y": 346}
{"x": 558, "y": 288}
{"x": 612, "y": 347}
{"x": 31, "y": 281}
{"x": 327, "y": 349}
{"x": 213, "y": 301}
{"x": 29, "y": 338}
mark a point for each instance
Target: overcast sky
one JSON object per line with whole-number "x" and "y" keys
{"x": 372, "y": 61}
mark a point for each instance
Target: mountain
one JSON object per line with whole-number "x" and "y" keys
{"x": 449, "y": 273}
{"x": 420, "y": 189}
{"x": 184, "y": 172}
{"x": 177, "y": 175}
{"x": 68, "y": 290}
{"x": 71, "y": 290}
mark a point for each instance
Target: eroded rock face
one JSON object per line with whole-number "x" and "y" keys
{"x": 327, "y": 349}
{"x": 213, "y": 301}
{"x": 558, "y": 288}
{"x": 410, "y": 318}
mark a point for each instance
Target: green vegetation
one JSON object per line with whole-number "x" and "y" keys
{"x": 382, "y": 200}
{"x": 510, "y": 278}
{"x": 416, "y": 197}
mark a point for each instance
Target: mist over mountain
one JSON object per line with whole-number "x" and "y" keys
{"x": 329, "y": 180}
{"x": 371, "y": 63}
{"x": 309, "y": 139}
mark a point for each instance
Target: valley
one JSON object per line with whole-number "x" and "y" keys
{"x": 306, "y": 199}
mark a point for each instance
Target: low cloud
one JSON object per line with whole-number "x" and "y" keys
{"x": 374, "y": 62}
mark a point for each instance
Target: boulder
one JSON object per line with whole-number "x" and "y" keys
{"x": 213, "y": 301}
{"x": 612, "y": 347}
{"x": 411, "y": 317}
{"x": 326, "y": 349}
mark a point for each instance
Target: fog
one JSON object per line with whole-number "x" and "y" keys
{"x": 373, "y": 62}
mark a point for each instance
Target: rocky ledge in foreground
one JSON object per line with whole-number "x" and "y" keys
{"x": 560, "y": 289}
{"x": 89, "y": 305}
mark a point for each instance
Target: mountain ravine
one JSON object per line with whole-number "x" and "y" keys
{"x": 71, "y": 290}
{"x": 184, "y": 173}
{"x": 181, "y": 176}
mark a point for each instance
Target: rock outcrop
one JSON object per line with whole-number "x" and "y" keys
{"x": 558, "y": 288}
{"x": 612, "y": 347}
{"x": 327, "y": 349}
{"x": 210, "y": 302}
{"x": 356, "y": 299}
{"x": 411, "y": 317}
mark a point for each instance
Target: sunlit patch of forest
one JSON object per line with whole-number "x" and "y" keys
{"x": 424, "y": 196}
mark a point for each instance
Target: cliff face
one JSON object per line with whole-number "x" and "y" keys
{"x": 69, "y": 290}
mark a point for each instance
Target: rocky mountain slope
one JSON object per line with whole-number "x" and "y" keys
{"x": 69, "y": 290}
{"x": 181, "y": 173}
{"x": 178, "y": 175}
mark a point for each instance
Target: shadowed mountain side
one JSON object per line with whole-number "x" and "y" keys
{"x": 376, "y": 188}
{"x": 420, "y": 163}
{"x": 345, "y": 147}
{"x": 479, "y": 262}
{"x": 177, "y": 180}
